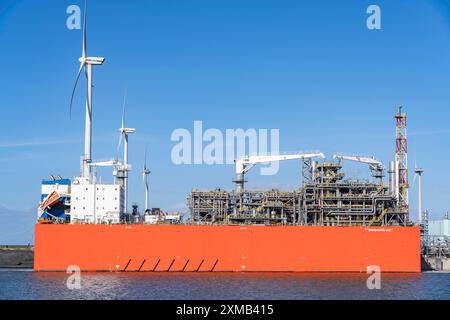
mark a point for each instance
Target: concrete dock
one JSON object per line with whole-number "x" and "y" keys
{"x": 433, "y": 263}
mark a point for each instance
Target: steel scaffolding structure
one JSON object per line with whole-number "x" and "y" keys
{"x": 326, "y": 200}
{"x": 209, "y": 206}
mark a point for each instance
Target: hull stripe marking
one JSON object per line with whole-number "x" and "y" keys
{"x": 125, "y": 269}
{"x": 171, "y": 265}
{"x": 184, "y": 268}
{"x": 200, "y": 265}
{"x": 214, "y": 265}
{"x": 156, "y": 265}
{"x": 143, "y": 262}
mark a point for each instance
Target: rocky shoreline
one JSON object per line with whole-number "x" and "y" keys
{"x": 16, "y": 257}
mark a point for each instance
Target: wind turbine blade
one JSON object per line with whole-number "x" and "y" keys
{"x": 414, "y": 180}
{"x": 75, "y": 87}
{"x": 83, "y": 53}
{"x": 123, "y": 116}
{"x": 119, "y": 145}
{"x": 123, "y": 125}
{"x": 123, "y": 108}
{"x": 145, "y": 157}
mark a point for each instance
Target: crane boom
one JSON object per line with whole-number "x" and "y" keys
{"x": 375, "y": 166}
{"x": 119, "y": 168}
{"x": 244, "y": 164}
{"x": 110, "y": 163}
{"x": 368, "y": 160}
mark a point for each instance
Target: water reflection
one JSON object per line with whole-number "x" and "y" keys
{"x": 122, "y": 286}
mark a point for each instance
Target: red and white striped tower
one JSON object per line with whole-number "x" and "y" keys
{"x": 401, "y": 158}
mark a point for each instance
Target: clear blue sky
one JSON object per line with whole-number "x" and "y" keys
{"x": 310, "y": 68}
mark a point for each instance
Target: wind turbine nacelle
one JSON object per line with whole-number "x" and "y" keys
{"x": 127, "y": 130}
{"x": 94, "y": 60}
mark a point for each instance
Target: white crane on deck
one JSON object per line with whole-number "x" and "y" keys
{"x": 244, "y": 164}
{"x": 118, "y": 166}
{"x": 375, "y": 166}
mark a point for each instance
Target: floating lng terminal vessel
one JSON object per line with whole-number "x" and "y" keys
{"x": 328, "y": 224}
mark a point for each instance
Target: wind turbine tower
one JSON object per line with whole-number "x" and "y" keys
{"x": 124, "y": 133}
{"x": 86, "y": 63}
{"x": 145, "y": 174}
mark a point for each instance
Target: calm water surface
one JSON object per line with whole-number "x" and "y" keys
{"x": 141, "y": 286}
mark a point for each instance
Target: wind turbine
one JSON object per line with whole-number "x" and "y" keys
{"x": 418, "y": 172}
{"x": 145, "y": 174}
{"x": 124, "y": 132}
{"x": 86, "y": 63}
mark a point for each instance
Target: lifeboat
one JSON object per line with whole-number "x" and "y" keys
{"x": 51, "y": 199}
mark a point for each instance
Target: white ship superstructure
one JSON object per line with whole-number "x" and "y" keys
{"x": 96, "y": 203}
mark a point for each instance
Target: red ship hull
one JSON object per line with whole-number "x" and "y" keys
{"x": 184, "y": 248}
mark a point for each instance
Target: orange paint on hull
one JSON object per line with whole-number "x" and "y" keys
{"x": 226, "y": 248}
